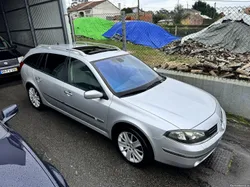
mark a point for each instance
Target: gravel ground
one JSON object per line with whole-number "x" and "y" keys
{"x": 86, "y": 158}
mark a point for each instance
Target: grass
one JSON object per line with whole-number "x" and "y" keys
{"x": 152, "y": 57}
{"x": 229, "y": 165}
{"x": 238, "y": 119}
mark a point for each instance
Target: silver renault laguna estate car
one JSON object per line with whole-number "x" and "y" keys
{"x": 147, "y": 116}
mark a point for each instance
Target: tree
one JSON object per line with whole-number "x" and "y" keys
{"x": 163, "y": 11}
{"x": 160, "y": 15}
{"x": 178, "y": 14}
{"x": 127, "y": 10}
{"x": 206, "y": 9}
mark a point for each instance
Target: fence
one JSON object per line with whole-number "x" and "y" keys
{"x": 183, "y": 30}
{"x": 92, "y": 28}
{"x": 222, "y": 50}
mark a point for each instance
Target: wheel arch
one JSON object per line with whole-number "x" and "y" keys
{"x": 121, "y": 124}
{"x": 28, "y": 85}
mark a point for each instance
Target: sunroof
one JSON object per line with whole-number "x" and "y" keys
{"x": 91, "y": 50}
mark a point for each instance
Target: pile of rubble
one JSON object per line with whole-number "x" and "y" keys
{"x": 211, "y": 60}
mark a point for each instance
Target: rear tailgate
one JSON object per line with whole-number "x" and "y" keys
{"x": 8, "y": 63}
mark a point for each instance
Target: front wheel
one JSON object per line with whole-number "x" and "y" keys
{"x": 35, "y": 98}
{"x": 133, "y": 147}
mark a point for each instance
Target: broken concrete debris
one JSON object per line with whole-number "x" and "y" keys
{"x": 211, "y": 60}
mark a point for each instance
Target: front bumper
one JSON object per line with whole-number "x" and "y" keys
{"x": 183, "y": 155}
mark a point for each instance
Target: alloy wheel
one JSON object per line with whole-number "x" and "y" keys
{"x": 130, "y": 147}
{"x": 34, "y": 97}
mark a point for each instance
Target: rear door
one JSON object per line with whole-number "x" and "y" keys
{"x": 30, "y": 63}
{"x": 50, "y": 78}
{"x": 81, "y": 79}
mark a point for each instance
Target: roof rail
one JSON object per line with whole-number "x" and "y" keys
{"x": 61, "y": 49}
{"x": 42, "y": 46}
{"x": 77, "y": 51}
{"x": 98, "y": 44}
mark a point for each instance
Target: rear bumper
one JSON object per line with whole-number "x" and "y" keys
{"x": 183, "y": 155}
{"x": 17, "y": 73}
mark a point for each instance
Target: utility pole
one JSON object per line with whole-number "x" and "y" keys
{"x": 215, "y": 10}
{"x": 138, "y": 10}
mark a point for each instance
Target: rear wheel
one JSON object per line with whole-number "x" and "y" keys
{"x": 133, "y": 147}
{"x": 35, "y": 98}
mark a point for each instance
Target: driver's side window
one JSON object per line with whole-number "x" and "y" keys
{"x": 82, "y": 77}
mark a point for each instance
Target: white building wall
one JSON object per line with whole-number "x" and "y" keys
{"x": 106, "y": 8}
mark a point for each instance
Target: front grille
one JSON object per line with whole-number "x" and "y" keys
{"x": 211, "y": 131}
{"x": 9, "y": 62}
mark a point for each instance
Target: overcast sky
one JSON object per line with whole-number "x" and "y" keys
{"x": 170, "y": 4}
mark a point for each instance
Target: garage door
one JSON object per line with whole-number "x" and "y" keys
{"x": 28, "y": 23}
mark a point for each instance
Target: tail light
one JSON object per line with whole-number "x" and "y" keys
{"x": 21, "y": 65}
{"x": 20, "y": 59}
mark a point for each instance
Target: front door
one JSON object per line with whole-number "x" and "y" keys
{"x": 81, "y": 79}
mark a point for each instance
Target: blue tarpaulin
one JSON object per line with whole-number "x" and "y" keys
{"x": 143, "y": 33}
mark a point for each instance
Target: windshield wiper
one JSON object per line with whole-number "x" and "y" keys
{"x": 155, "y": 83}
{"x": 133, "y": 92}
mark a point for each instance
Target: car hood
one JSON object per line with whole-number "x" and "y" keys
{"x": 178, "y": 103}
{"x": 18, "y": 167}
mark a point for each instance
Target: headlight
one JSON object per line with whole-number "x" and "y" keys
{"x": 186, "y": 136}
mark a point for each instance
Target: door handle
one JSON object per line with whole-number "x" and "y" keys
{"x": 68, "y": 93}
{"x": 38, "y": 79}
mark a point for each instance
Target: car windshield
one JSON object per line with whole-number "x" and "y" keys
{"x": 125, "y": 74}
{"x": 4, "y": 44}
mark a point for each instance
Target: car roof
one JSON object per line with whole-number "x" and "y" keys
{"x": 89, "y": 51}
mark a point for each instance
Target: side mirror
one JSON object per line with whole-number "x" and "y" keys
{"x": 93, "y": 94}
{"x": 9, "y": 112}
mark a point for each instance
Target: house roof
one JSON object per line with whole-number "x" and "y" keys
{"x": 85, "y": 6}
{"x": 205, "y": 17}
{"x": 189, "y": 11}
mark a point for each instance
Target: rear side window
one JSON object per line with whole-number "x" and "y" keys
{"x": 33, "y": 60}
{"x": 56, "y": 65}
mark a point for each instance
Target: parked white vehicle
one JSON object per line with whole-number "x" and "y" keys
{"x": 146, "y": 115}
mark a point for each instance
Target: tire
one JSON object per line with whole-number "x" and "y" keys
{"x": 139, "y": 153}
{"x": 35, "y": 98}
